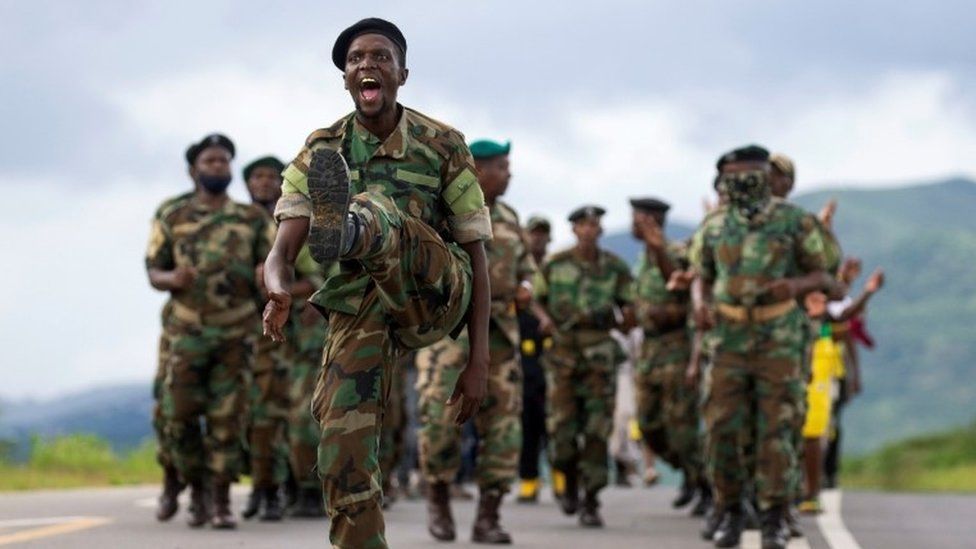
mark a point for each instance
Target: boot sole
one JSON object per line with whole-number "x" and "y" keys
{"x": 328, "y": 189}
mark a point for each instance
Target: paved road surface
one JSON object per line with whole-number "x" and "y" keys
{"x": 122, "y": 517}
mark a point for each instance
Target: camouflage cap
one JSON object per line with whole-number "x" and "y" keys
{"x": 486, "y": 148}
{"x": 370, "y": 25}
{"x": 264, "y": 162}
{"x": 538, "y": 223}
{"x": 784, "y": 164}
{"x": 211, "y": 140}
{"x": 743, "y": 154}
{"x": 648, "y": 204}
{"x": 584, "y": 212}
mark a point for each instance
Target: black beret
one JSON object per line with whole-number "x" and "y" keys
{"x": 650, "y": 205}
{"x": 586, "y": 211}
{"x": 749, "y": 153}
{"x": 371, "y": 25}
{"x": 214, "y": 139}
{"x": 263, "y": 162}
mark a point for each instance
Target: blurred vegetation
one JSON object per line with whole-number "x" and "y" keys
{"x": 943, "y": 462}
{"x": 78, "y": 460}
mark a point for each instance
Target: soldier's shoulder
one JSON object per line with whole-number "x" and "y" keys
{"x": 250, "y": 212}
{"x": 439, "y": 136}
{"x": 560, "y": 256}
{"x": 172, "y": 204}
{"x": 507, "y": 212}
{"x": 790, "y": 212}
{"x": 616, "y": 260}
{"x": 332, "y": 133}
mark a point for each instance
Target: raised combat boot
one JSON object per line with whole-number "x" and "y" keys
{"x": 199, "y": 504}
{"x": 590, "y": 512}
{"x": 486, "y": 526}
{"x": 729, "y": 532}
{"x": 440, "y": 523}
{"x": 223, "y": 518}
{"x": 273, "y": 510}
{"x": 332, "y": 231}
{"x": 169, "y": 500}
{"x": 775, "y": 533}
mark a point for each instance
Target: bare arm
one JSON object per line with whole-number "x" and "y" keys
{"x": 170, "y": 281}
{"x": 472, "y": 385}
{"x": 279, "y": 273}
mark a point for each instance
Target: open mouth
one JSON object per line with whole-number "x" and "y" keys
{"x": 369, "y": 89}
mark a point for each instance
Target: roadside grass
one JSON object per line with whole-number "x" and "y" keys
{"x": 941, "y": 462}
{"x": 80, "y": 460}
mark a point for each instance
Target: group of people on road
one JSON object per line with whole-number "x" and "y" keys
{"x": 385, "y": 244}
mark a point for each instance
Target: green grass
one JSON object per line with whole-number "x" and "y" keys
{"x": 942, "y": 462}
{"x": 79, "y": 460}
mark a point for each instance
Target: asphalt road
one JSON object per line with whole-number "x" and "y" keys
{"x": 637, "y": 517}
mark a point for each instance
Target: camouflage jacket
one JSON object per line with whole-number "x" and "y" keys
{"x": 224, "y": 245}
{"x": 650, "y": 286}
{"x": 424, "y": 166}
{"x": 509, "y": 263}
{"x": 579, "y": 294}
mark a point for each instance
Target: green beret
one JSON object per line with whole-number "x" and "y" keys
{"x": 749, "y": 153}
{"x": 212, "y": 140}
{"x": 538, "y": 223}
{"x": 586, "y": 211}
{"x": 486, "y": 148}
{"x": 650, "y": 205}
{"x": 263, "y": 162}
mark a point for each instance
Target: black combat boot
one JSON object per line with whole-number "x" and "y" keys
{"x": 713, "y": 519}
{"x": 440, "y": 523}
{"x": 729, "y": 533}
{"x": 253, "y": 505}
{"x": 590, "y": 513}
{"x": 704, "y": 502}
{"x": 793, "y": 522}
{"x": 169, "y": 499}
{"x": 273, "y": 510}
{"x": 223, "y": 518}
{"x": 332, "y": 230}
{"x": 486, "y": 524}
{"x": 199, "y": 504}
{"x": 775, "y": 533}
{"x": 569, "y": 499}
{"x": 686, "y": 494}
{"x": 308, "y": 504}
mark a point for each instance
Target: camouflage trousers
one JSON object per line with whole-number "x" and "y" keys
{"x": 208, "y": 372}
{"x": 498, "y": 422}
{"x": 164, "y": 454}
{"x": 580, "y": 393}
{"x": 267, "y": 418}
{"x": 667, "y": 409}
{"x": 752, "y": 396}
{"x": 303, "y": 431}
{"x": 395, "y": 420}
{"x": 420, "y": 291}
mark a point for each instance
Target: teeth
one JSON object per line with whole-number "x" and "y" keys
{"x": 369, "y": 80}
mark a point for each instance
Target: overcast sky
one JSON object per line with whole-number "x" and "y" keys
{"x": 601, "y": 101}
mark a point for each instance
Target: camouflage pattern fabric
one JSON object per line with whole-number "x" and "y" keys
{"x": 267, "y": 421}
{"x": 395, "y": 420}
{"x": 209, "y": 332}
{"x": 581, "y": 297}
{"x": 757, "y": 365}
{"x": 498, "y": 420}
{"x": 405, "y": 285}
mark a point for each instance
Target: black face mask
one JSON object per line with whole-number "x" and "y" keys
{"x": 214, "y": 184}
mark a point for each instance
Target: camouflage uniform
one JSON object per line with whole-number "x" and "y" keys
{"x": 267, "y": 418}
{"x": 164, "y": 455}
{"x": 498, "y": 421}
{"x": 757, "y": 364}
{"x": 405, "y": 284}
{"x": 209, "y": 333}
{"x": 395, "y": 421}
{"x": 580, "y": 296}
{"x": 667, "y": 410}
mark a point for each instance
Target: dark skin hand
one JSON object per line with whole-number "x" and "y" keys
{"x": 693, "y": 371}
{"x": 783, "y": 289}
{"x": 472, "y": 384}
{"x": 279, "y": 274}
{"x": 701, "y": 294}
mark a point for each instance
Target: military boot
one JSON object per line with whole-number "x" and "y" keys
{"x": 199, "y": 504}
{"x": 486, "y": 524}
{"x": 704, "y": 502}
{"x": 686, "y": 494}
{"x": 333, "y": 230}
{"x": 590, "y": 513}
{"x": 729, "y": 532}
{"x": 713, "y": 519}
{"x": 440, "y": 523}
{"x": 223, "y": 518}
{"x": 169, "y": 499}
{"x": 253, "y": 504}
{"x": 273, "y": 510}
{"x": 793, "y": 522}
{"x": 308, "y": 504}
{"x": 569, "y": 499}
{"x": 775, "y": 534}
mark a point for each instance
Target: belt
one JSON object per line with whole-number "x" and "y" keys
{"x": 759, "y": 313}
{"x": 221, "y": 318}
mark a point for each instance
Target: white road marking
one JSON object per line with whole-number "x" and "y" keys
{"x": 832, "y": 524}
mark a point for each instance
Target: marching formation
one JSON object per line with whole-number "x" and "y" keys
{"x": 385, "y": 245}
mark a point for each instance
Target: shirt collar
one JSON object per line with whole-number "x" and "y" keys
{"x": 395, "y": 146}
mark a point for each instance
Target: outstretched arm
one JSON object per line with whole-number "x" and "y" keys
{"x": 472, "y": 385}
{"x": 279, "y": 272}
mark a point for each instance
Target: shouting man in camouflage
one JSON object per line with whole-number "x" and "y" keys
{"x": 589, "y": 292}
{"x": 510, "y": 266}
{"x": 393, "y": 195}
{"x": 754, "y": 259}
{"x": 205, "y": 250}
